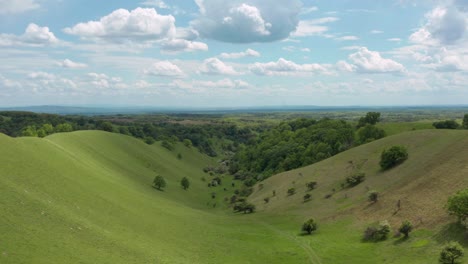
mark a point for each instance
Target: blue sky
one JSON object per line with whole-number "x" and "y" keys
{"x": 219, "y": 53}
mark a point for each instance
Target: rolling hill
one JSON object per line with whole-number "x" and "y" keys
{"x": 86, "y": 197}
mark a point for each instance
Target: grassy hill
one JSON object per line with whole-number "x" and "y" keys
{"x": 436, "y": 168}
{"x": 86, "y": 197}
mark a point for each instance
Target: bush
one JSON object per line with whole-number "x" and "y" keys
{"x": 451, "y": 253}
{"x": 291, "y": 191}
{"x": 355, "y": 179}
{"x": 370, "y": 133}
{"x": 447, "y": 124}
{"x": 393, "y": 156}
{"x": 245, "y": 207}
{"x": 167, "y": 145}
{"x": 377, "y": 233}
{"x": 307, "y": 197}
{"x": 149, "y": 140}
{"x": 309, "y": 226}
{"x": 373, "y": 196}
{"x": 311, "y": 185}
{"x": 405, "y": 228}
{"x": 185, "y": 183}
{"x": 267, "y": 199}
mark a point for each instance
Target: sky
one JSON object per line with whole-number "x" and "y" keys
{"x": 233, "y": 53}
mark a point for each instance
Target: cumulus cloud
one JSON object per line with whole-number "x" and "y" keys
{"x": 123, "y": 26}
{"x": 347, "y": 38}
{"x": 156, "y": 3}
{"x": 238, "y": 55}
{"x": 197, "y": 85}
{"x": 49, "y": 81}
{"x": 164, "y": 69}
{"x": 182, "y": 45}
{"x": 71, "y": 64}
{"x": 313, "y": 27}
{"x": 34, "y": 35}
{"x": 284, "y": 67}
{"x": 17, "y": 6}
{"x": 246, "y": 21}
{"x": 449, "y": 61}
{"x": 366, "y": 61}
{"x": 214, "y": 66}
{"x": 444, "y": 25}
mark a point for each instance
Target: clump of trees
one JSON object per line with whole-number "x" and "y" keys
{"x": 465, "y": 121}
{"x": 309, "y": 226}
{"x": 371, "y": 118}
{"x": 355, "y": 179}
{"x": 457, "y": 205}
{"x": 370, "y": 133}
{"x": 377, "y": 232}
{"x": 159, "y": 182}
{"x": 245, "y": 207}
{"x": 447, "y": 124}
{"x": 451, "y": 254}
{"x": 393, "y": 156}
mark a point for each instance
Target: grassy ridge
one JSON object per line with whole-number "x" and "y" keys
{"x": 87, "y": 197}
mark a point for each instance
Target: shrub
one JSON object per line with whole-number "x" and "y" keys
{"x": 377, "y": 233}
{"x": 307, "y": 197}
{"x": 167, "y": 145}
{"x": 245, "y": 207}
{"x": 267, "y": 199}
{"x": 393, "y": 156}
{"x": 451, "y": 253}
{"x": 355, "y": 179}
{"x": 185, "y": 183}
{"x": 447, "y": 124}
{"x": 149, "y": 140}
{"x": 291, "y": 191}
{"x": 405, "y": 228}
{"x": 373, "y": 196}
{"x": 311, "y": 185}
{"x": 309, "y": 226}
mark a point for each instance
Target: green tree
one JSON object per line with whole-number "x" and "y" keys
{"x": 106, "y": 126}
{"x": 371, "y": 118}
{"x": 369, "y": 133}
{"x": 451, "y": 253}
{"x": 355, "y": 179}
{"x": 65, "y": 127}
{"x": 457, "y": 204}
{"x": 29, "y": 131}
{"x": 188, "y": 143}
{"x": 393, "y": 156}
{"x": 465, "y": 121}
{"x": 159, "y": 182}
{"x": 405, "y": 228}
{"x": 447, "y": 124}
{"x": 309, "y": 226}
{"x": 185, "y": 183}
{"x": 307, "y": 197}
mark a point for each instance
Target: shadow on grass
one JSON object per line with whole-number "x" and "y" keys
{"x": 452, "y": 232}
{"x": 400, "y": 240}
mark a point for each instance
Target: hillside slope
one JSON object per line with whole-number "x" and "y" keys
{"x": 86, "y": 197}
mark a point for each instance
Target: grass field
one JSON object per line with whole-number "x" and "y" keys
{"x": 86, "y": 197}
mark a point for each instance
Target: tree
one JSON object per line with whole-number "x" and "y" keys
{"x": 159, "y": 182}
{"x": 65, "y": 127}
{"x": 373, "y": 196}
{"x": 106, "y": 126}
{"x": 355, "y": 179}
{"x": 307, "y": 197}
{"x": 377, "y": 232}
{"x": 311, "y": 185}
{"x": 369, "y": 133}
{"x": 451, "y": 253}
{"x": 188, "y": 143}
{"x": 291, "y": 191}
{"x": 447, "y": 124}
{"x": 185, "y": 183}
{"x": 309, "y": 226}
{"x": 393, "y": 156}
{"x": 465, "y": 121}
{"x": 457, "y": 204}
{"x": 405, "y": 228}
{"x": 371, "y": 118}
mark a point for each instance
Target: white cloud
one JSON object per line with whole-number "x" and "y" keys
{"x": 182, "y": 45}
{"x": 308, "y": 10}
{"x": 313, "y": 27}
{"x": 444, "y": 25}
{"x": 34, "y": 35}
{"x": 156, "y": 3}
{"x": 214, "y": 66}
{"x": 284, "y": 67}
{"x": 366, "y": 61}
{"x": 202, "y": 86}
{"x": 294, "y": 49}
{"x": 17, "y": 6}
{"x": 7, "y": 83}
{"x": 345, "y": 66}
{"x": 164, "y": 69}
{"x": 245, "y": 21}
{"x": 394, "y": 39}
{"x": 71, "y": 64}
{"x": 44, "y": 81}
{"x": 376, "y": 31}
{"x": 348, "y": 38}
{"x": 187, "y": 34}
{"x": 238, "y": 55}
{"x": 449, "y": 61}
{"x": 123, "y": 26}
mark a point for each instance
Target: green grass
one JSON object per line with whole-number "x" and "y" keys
{"x": 86, "y": 197}
{"x": 393, "y": 128}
